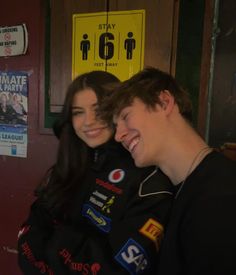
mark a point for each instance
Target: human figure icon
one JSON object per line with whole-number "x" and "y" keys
{"x": 129, "y": 45}
{"x": 108, "y": 204}
{"x": 85, "y": 47}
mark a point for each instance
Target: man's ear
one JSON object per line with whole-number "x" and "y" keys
{"x": 167, "y": 100}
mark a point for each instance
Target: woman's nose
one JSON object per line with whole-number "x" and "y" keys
{"x": 90, "y": 118}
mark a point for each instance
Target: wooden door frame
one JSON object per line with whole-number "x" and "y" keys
{"x": 206, "y": 68}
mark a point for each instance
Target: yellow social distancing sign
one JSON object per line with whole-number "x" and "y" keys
{"x": 108, "y": 41}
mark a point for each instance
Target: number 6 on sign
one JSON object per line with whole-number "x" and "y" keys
{"x": 102, "y": 41}
{"x": 106, "y": 47}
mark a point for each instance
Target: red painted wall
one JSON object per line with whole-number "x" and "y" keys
{"x": 19, "y": 176}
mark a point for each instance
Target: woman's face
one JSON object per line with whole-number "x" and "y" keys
{"x": 84, "y": 120}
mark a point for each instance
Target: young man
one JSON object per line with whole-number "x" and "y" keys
{"x": 152, "y": 116}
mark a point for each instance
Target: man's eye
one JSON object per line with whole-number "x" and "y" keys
{"x": 125, "y": 116}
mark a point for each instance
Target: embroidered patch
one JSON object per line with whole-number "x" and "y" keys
{"x": 108, "y": 186}
{"x": 153, "y": 230}
{"x": 107, "y": 206}
{"x": 102, "y": 222}
{"x": 133, "y": 258}
{"x": 116, "y": 175}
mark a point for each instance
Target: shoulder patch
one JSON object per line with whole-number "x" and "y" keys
{"x": 133, "y": 257}
{"x": 100, "y": 221}
{"x": 116, "y": 175}
{"x": 153, "y": 230}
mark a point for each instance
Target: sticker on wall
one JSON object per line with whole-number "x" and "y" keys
{"x": 108, "y": 41}
{"x": 13, "y": 113}
{"x": 13, "y": 40}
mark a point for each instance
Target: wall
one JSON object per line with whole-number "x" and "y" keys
{"x": 189, "y": 49}
{"x": 19, "y": 176}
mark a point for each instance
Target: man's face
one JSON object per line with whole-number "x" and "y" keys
{"x": 141, "y": 130}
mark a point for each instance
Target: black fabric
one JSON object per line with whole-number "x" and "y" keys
{"x": 105, "y": 216}
{"x": 201, "y": 234}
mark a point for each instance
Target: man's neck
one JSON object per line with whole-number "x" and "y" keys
{"x": 186, "y": 151}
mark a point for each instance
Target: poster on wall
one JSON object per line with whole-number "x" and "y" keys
{"x": 109, "y": 41}
{"x": 13, "y": 113}
{"x": 13, "y": 40}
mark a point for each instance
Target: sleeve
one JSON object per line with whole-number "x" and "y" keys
{"x": 32, "y": 241}
{"x": 81, "y": 250}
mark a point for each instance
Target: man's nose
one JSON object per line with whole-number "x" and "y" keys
{"x": 121, "y": 132}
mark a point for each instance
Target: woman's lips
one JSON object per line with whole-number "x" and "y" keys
{"x": 94, "y": 132}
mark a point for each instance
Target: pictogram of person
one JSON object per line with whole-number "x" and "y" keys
{"x": 129, "y": 45}
{"x": 108, "y": 204}
{"x": 85, "y": 47}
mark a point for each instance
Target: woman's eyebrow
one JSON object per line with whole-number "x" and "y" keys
{"x": 76, "y": 107}
{"x": 79, "y": 107}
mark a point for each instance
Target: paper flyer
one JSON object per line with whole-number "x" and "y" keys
{"x": 13, "y": 113}
{"x": 13, "y": 40}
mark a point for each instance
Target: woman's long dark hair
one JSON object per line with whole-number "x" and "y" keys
{"x": 72, "y": 156}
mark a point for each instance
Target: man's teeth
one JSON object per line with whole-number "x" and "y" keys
{"x": 133, "y": 143}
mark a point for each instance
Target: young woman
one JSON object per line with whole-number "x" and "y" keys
{"x": 96, "y": 213}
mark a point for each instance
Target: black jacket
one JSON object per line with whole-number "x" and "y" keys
{"x": 200, "y": 237}
{"x": 115, "y": 225}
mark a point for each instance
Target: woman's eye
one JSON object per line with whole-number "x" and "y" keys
{"x": 77, "y": 113}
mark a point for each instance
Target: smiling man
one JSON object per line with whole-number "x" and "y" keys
{"x": 152, "y": 115}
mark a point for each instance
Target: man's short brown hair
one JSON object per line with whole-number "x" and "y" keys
{"x": 146, "y": 85}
